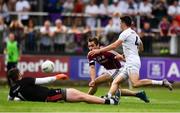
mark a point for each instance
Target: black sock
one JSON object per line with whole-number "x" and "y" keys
{"x": 107, "y": 101}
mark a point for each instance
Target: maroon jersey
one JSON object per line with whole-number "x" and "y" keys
{"x": 164, "y": 27}
{"x": 105, "y": 59}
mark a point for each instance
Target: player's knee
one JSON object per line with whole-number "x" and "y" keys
{"x": 135, "y": 84}
{"x": 80, "y": 97}
{"x": 115, "y": 83}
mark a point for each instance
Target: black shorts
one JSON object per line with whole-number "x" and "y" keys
{"x": 56, "y": 95}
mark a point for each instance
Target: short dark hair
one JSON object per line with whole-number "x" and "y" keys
{"x": 127, "y": 20}
{"x": 13, "y": 74}
{"x": 94, "y": 39}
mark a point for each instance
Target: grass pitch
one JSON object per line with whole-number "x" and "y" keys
{"x": 162, "y": 100}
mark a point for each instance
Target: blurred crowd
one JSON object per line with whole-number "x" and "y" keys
{"x": 159, "y": 24}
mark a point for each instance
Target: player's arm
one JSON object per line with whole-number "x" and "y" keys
{"x": 92, "y": 72}
{"x": 46, "y": 80}
{"x": 118, "y": 56}
{"x": 13, "y": 98}
{"x": 110, "y": 47}
{"x": 140, "y": 47}
{"x": 10, "y": 98}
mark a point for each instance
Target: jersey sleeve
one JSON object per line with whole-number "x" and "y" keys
{"x": 123, "y": 36}
{"x": 28, "y": 81}
{"x": 91, "y": 60}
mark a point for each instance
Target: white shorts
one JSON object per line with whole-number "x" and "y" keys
{"x": 112, "y": 72}
{"x": 129, "y": 69}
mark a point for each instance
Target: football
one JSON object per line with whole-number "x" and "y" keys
{"x": 47, "y": 66}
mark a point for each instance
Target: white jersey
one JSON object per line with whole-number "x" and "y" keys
{"x": 131, "y": 40}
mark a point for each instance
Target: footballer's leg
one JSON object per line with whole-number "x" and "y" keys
{"x": 134, "y": 77}
{"x": 73, "y": 95}
{"x": 139, "y": 94}
{"x": 115, "y": 85}
{"x": 99, "y": 80}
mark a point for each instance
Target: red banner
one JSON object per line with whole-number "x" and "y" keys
{"x": 30, "y": 65}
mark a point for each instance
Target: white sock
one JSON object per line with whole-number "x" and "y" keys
{"x": 111, "y": 101}
{"x": 109, "y": 95}
{"x": 156, "y": 82}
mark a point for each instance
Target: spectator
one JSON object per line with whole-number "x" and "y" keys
{"x": 104, "y": 8}
{"x": 174, "y": 9}
{"x": 92, "y": 11}
{"x": 103, "y": 12}
{"x": 123, "y": 6}
{"x": 164, "y": 29}
{"x": 34, "y": 5}
{"x": 147, "y": 37}
{"x": 59, "y": 36}
{"x": 46, "y": 37}
{"x": 178, "y": 19}
{"x": 114, "y": 8}
{"x": 145, "y": 8}
{"x": 72, "y": 39}
{"x": 53, "y": 6}
{"x": 68, "y": 6}
{"x": 17, "y": 28}
{"x": 78, "y": 38}
{"x": 110, "y": 27}
{"x": 164, "y": 37}
{"x": 174, "y": 32}
{"x": 30, "y": 37}
{"x": 11, "y": 4}
{"x": 86, "y": 34}
{"x": 12, "y": 51}
{"x": 159, "y": 9}
{"x": 116, "y": 22}
{"x": 111, "y": 31}
{"x": 132, "y": 8}
{"x": 4, "y": 10}
{"x": 78, "y": 6}
{"x": 23, "y": 6}
{"x": 3, "y": 33}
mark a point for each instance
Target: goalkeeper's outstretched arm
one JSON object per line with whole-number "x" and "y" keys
{"x": 46, "y": 80}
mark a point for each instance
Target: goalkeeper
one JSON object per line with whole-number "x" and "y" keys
{"x": 30, "y": 89}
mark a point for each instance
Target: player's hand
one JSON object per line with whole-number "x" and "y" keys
{"x": 61, "y": 77}
{"x": 92, "y": 83}
{"x": 94, "y": 52}
{"x": 119, "y": 57}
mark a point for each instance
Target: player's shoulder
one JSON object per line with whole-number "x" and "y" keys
{"x": 129, "y": 31}
{"x": 27, "y": 80}
{"x": 126, "y": 32}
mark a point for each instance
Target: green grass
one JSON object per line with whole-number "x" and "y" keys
{"x": 161, "y": 99}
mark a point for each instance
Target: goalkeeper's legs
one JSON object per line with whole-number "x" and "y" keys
{"x": 73, "y": 95}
